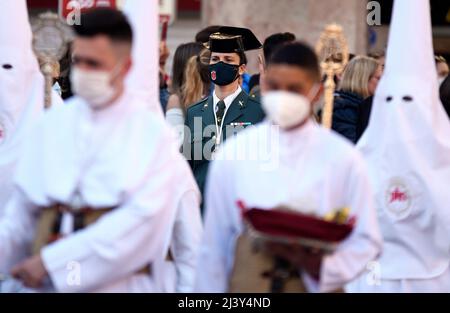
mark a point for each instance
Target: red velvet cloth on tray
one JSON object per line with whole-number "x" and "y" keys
{"x": 293, "y": 224}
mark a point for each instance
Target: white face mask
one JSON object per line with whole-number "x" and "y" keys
{"x": 441, "y": 79}
{"x": 93, "y": 86}
{"x": 286, "y": 109}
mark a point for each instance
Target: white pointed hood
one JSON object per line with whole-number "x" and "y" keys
{"x": 407, "y": 147}
{"x": 143, "y": 79}
{"x": 21, "y": 95}
{"x": 21, "y": 86}
{"x": 19, "y": 71}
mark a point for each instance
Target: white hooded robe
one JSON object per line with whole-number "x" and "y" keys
{"x": 21, "y": 93}
{"x": 309, "y": 169}
{"x": 407, "y": 149}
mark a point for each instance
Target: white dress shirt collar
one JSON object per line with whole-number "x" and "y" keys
{"x": 228, "y": 100}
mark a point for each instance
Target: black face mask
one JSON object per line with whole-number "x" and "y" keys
{"x": 223, "y": 74}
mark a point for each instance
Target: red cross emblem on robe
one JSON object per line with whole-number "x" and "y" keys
{"x": 398, "y": 195}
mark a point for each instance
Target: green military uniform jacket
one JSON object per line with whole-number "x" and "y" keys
{"x": 244, "y": 111}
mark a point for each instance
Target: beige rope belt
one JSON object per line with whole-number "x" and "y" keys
{"x": 255, "y": 271}
{"x": 49, "y": 226}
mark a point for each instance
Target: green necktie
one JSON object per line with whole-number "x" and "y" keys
{"x": 220, "y": 111}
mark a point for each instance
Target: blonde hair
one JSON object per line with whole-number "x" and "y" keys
{"x": 357, "y": 75}
{"x": 195, "y": 81}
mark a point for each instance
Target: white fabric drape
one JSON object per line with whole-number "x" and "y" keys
{"x": 407, "y": 147}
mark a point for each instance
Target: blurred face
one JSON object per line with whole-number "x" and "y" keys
{"x": 100, "y": 54}
{"x": 442, "y": 69}
{"x": 281, "y": 77}
{"x": 289, "y": 93}
{"x": 374, "y": 80}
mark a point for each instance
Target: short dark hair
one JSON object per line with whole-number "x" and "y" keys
{"x": 297, "y": 54}
{"x": 242, "y": 57}
{"x": 274, "y": 41}
{"x": 109, "y": 22}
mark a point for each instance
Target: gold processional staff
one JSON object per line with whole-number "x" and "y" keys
{"x": 333, "y": 53}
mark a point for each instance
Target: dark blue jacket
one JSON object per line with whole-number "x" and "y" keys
{"x": 345, "y": 114}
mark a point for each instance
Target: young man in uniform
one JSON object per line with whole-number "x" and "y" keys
{"x": 229, "y": 109}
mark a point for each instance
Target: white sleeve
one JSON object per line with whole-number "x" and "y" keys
{"x": 186, "y": 240}
{"x": 121, "y": 242}
{"x": 175, "y": 118}
{"x": 221, "y": 229}
{"x": 365, "y": 242}
{"x": 17, "y": 230}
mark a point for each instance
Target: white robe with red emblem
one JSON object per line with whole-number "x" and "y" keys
{"x": 310, "y": 169}
{"x": 407, "y": 148}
